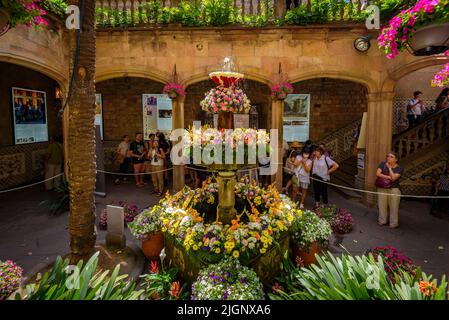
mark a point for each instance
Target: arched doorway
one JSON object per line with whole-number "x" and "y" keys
{"x": 257, "y": 92}
{"x": 29, "y": 105}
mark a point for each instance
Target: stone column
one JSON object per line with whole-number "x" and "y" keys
{"x": 277, "y": 122}
{"x": 280, "y": 7}
{"x": 379, "y": 133}
{"x": 178, "y": 123}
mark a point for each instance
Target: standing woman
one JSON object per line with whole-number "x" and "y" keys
{"x": 289, "y": 172}
{"x": 157, "y": 158}
{"x": 122, "y": 158}
{"x": 322, "y": 166}
{"x": 137, "y": 154}
{"x": 304, "y": 166}
{"x": 387, "y": 183}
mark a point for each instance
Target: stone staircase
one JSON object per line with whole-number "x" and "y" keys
{"x": 423, "y": 152}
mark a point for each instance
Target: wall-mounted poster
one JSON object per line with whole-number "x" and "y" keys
{"x": 297, "y": 117}
{"x": 30, "y": 115}
{"x": 157, "y": 113}
{"x": 99, "y": 112}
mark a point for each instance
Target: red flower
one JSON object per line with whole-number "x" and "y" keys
{"x": 154, "y": 268}
{"x": 175, "y": 289}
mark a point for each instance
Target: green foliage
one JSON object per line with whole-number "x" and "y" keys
{"x": 219, "y": 12}
{"x": 61, "y": 203}
{"x": 58, "y": 7}
{"x": 356, "y": 278}
{"x": 160, "y": 286}
{"x": 83, "y": 284}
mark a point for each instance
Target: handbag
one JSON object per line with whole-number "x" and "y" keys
{"x": 383, "y": 183}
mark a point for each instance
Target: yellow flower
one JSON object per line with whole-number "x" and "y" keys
{"x": 263, "y": 250}
{"x": 217, "y": 251}
{"x": 191, "y": 242}
{"x": 235, "y": 254}
{"x": 187, "y": 247}
{"x": 195, "y": 247}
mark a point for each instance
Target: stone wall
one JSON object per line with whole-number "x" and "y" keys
{"x": 23, "y": 163}
{"x": 334, "y": 104}
{"x": 122, "y": 105}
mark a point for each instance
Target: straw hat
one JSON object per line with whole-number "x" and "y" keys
{"x": 296, "y": 145}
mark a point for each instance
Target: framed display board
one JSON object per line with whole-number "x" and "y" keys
{"x": 29, "y": 108}
{"x": 99, "y": 112}
{"x": 157, "y": 113}
{"x": 297, "y": 117}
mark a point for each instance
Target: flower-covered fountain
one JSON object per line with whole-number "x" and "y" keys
{"x": 226, "y": 217}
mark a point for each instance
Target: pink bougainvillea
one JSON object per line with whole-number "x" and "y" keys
{"x": 25, "y": 12}
{"x": 281, "y": 90}
{"x": 441, "y": 78}
{"x": 174, "y": 88}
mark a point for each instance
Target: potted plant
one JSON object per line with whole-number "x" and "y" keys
{"x": 174, "y": 90}
{"x": 280, "y": 91}
{"x": 227, "y": 280}
{"x": 10, "y": 278}
{"x": 146, "y": 227}
{"x": 307, "y": 234}
{"x": 423, "y": 28}
{"x": 26, "y": 12}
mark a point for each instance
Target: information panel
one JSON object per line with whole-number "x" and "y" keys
{"x": 29, "y": 115}
{"x": 297, "y": 117}
{"x": 157, "y": 113}
{"x": 99, "y": 112}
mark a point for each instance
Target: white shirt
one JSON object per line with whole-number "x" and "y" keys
{"x": 123, "y": 148}
{"x": 320, "y": 168}
{"x": 301, "y": 173}
{"x": 158, "y": 162}
{"x": 417, "y": 109}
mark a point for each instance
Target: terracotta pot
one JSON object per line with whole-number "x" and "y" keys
{"x": 430, "y": 40}
{"x": 225, "y": 120}
{"x": 152, "y": 247}
{"x": 281, "y": 95}
{"x": 307, "y": 256}
{"x": 172, "y": 95}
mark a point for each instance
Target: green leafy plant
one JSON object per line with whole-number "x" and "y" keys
{"x": 83, "y": 283}
{"x": 357, "y": 278}
{"x": 26, "y": 12}
{"x": 309, "y": 228}
{"x": 61, "y": 203}
{"x": 162, "y": 285}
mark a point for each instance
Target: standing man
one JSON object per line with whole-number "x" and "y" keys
{"x": 54, "y": 160}
{"x": 414, "y": 109}
{"x": 137, "y": 155}
{"x": 122, "y": 159}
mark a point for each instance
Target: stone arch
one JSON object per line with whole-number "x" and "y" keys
{"x": 395, "y": 74}
{"x": 370, "y": 84}
{"x": 103, "y": 75}
{"x": 46, "y": 70}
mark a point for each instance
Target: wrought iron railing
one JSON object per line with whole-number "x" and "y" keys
{"x": 430, "y": 131}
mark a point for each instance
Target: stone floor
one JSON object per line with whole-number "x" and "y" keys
{"x": 30, "y": 236}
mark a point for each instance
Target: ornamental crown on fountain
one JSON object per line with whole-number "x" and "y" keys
{"x": 228, "y": 76}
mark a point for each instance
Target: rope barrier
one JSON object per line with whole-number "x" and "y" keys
{"x": 132, "y": 174}
{"x": 31, "y": 185}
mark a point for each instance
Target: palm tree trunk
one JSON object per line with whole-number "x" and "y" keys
{"x": 81, "y": 155}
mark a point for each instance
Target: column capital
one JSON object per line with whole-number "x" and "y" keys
{"x": 381, "y": 96}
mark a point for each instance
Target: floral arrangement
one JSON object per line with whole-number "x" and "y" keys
{"x": 229, "y": 99}
{"x": 26, "y": 12}
{"x": 265, "y": 216}
{"x": 216, "y": 141}
{"x": 280, "y": 91}
{"x": 103, "y": 223}
{"x": 309, "y": 228}
{"x": 394, "y": 261}
{"x": 10, "y": 278}
{"x": 400, "y": 29}
{"x": 339, "y": 219}
{"x": 227, "y": 280}
{"x": 174, "y": 90}
{"x": 146, "y": 223}
{"x": 441, "y": 78}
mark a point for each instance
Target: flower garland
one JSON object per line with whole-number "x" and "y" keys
{"x": 174, "y": 89}
{"x": 227, "y": 280}
{"x": 229, "y": 99}
{"x": 251, "y": 233}
{"x": 10, "y": 278}
{"x": 280, "y": 91}
{"x": 400, "y": 29}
